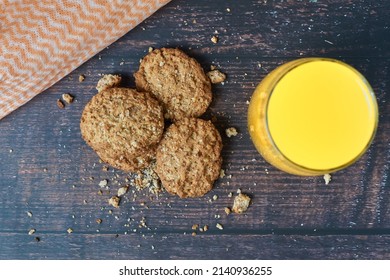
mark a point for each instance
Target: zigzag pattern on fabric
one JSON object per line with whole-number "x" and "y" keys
{"x": 43, "y": 41}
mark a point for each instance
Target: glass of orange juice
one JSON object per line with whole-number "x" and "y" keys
{"x": 313, "y": 116}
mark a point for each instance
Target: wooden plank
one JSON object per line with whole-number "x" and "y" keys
{"x": 179, "y": 246}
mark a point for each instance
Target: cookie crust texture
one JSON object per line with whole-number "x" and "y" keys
{"x": 177, "y": 81}
{"x": 189, "y": 157}
{"x": 123, "y": 126}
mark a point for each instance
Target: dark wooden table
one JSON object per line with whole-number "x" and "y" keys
{"x": 47, "y": 171}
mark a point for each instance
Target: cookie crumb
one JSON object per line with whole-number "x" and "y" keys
{"x": 195, "y": 227}
{"x": 327, "y": 178}
{"x": 214, "y": 39}
{"x": 67, "y": 98}
{"x": 231, "y": 131}
{"x": 108, "y": 81}
{"x": 222, "y": 173}
{"x": 99, "y": 221}
{"x": 123, "y": 190}
{"x": 150, "y": 49}
{"x": 215, "y": 197}
{"x": 81, "y": 78}
{"x": 219, "y": 226}
{"x": 227, "y": 210}
{"x": 114, "y": 201}
{"x": 60, "y": 104}
{"x": 205, "y": 228}
{"x": 29, "y": 213}
{"x": 103, "y": 183}
{"x": 241, "y": 203}
{"x": 216, "y": 76}
{"x": 31, "y": 231}
{"x": 69, "y": 230}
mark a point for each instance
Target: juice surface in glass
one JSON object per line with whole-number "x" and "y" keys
{"x": 313, "y": 116}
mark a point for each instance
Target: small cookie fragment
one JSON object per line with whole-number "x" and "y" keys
{"x": 214, "y": 39}
{"x": 108, "y": 81}
{"x": 81, "y": 78}
{"x": 177, "y": 81}
{"x": 67, "y": 98}
{"x": 123, "y": 190}
{"x": 327, "y": 178}
{"x": 60, "y": 104}
{"x": 241, "y": 203}
{"x": 231, "y": 131}
{"x": 189, "y": 157}
{"x": 114, "y": 201}
{"x": 103, "y": 183}
{"x": 219, "y": 226}
{"x": 216, "y": 76}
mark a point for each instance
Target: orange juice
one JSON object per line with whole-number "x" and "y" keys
{"x": 312, "y": 116}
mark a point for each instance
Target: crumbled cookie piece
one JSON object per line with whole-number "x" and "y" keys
{"x": 67, "y": 98}
{"x": 227, "y": 210}
{"x": 214, "y": 39}
{"x": 69, "y": 230}
{"x": 219, "y": 226}
{"x": 31, "y": 231}
{"x": 231, "y": 131}
{"x": 99, "y": 221}
{"x": 60, "y": 104}
{"x": 81, "y": 78}
{"x": 114, "y": 201}
{"x": 103, "y": 183}
{"x": 241, "y": 203}
{"x": 123, "y": 190}
{"x": 327, "y": 178}
{"x": 216, "y": 76}
{"x": 108, "y": 81}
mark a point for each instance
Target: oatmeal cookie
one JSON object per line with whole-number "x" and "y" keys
{"x": 123, "y": 126}
{"x": 177, "y": 81}
{"x": 189, "y": 157}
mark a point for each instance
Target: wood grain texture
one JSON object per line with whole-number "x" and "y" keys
{"x": 47, "y": 169}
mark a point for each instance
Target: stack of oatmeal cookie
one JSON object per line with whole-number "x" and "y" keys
{"x": 125, "y": 126}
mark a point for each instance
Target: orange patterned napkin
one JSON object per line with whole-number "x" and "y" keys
{"x": 41, "y": 41}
